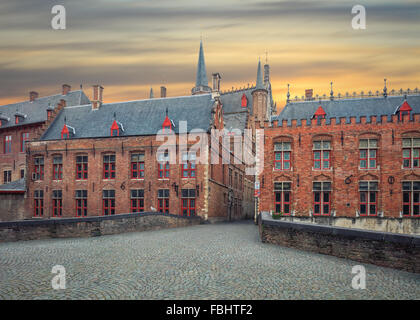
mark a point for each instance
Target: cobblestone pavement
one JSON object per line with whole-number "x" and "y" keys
{"x": 221, "y": 261}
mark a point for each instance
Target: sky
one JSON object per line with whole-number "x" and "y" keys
{"x": 129, "y": 46}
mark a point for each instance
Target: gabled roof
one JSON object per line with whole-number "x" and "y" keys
{"x": 347, "y": 108}
{"x": 36, "y": 111}
{"x": 142, "y": 117}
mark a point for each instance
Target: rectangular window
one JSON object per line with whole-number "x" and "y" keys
{"x": 22, "y": 173}
{"x": 23, "y": 139}
{"x": 39, "y": 168}
{"x": 368, "y": 192}
{"x": 38, "y": 203}
{"x": 322, "y": 198}
{"x": 282, "y": 152}
{"x": 137, "y": 200}
{"x": 163, "y": 165}
{"x": 230, "y": 177}
{"x": 81, "y": 203}
{"x": 188, "y": 202}
{"x": 7, "y": 176}
{"x": 188, "y": 164}
{"x": 57, "y": 200}
{"x": 411, "y": 198}
{"x": 57, "y": 168}
{"x": 411, "y": 153}
{"x": 282, "y": 193}
{"x": 322, "y": 154}
{"x": 137, "y": 166}
{"x": 109, "y": 166}
{"x": 7, "y": 144}
{"x": 368, "y": 153}
{"x": 108, "y": 198}
{"x": 163, "y": 200}
{"x": 81, "y": 167}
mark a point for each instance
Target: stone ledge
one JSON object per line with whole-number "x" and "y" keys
{"x": 345, "y": 232}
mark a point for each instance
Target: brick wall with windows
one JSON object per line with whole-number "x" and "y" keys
{"x": 371, "y": 168}
{"x": 129, "y": 167}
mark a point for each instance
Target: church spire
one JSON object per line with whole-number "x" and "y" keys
{"x": 201, "y": 83}
{"x": 260, "y": 84}
{"x": 201, "y": 69}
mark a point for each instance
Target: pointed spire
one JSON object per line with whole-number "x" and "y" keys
{"x": 288, "y": 93}
{"x": 260, "y": 84}
{"x": 201, "y": 69}
{"x": 151, "y": 96}
{"x": 201, "y": 83}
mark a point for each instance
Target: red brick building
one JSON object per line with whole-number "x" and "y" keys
{"x": 346, "y": 157}
{"x": 106, "y": 158}
{"x": 23, "y": 121}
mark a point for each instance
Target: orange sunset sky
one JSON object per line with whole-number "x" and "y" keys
{"x": 129, "y": 46}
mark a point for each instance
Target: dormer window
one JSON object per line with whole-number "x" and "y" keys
{"x": 319, "y": 114}
{"x": 67, "y": 131}
{"x": 19, "y": 117}
{"x": 404, "y": 109}
{"x": 244, "y": 101}
{"x": 167, "y": 125}
{"x": 116, "y": 129}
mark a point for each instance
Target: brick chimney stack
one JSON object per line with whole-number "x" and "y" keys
{"x": 66, "y": 89}
{"x": 97, "y": 96}
{"x": 309, "y": 93}
{"x": 163, "y": 92}
{"x": 33, "y": 95}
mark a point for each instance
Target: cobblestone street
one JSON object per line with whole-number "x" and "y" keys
{"x": 220, "y": 261}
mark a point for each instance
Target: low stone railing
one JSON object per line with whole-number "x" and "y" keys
{"x": 394, "y": 250}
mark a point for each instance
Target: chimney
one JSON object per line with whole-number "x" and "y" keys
{"x": 66, "y": 89}
{"x": 266, "y": 73}
{"x": 163, "y": 92}
{"x": 309, "y": 94}
{"x": 33, "y": 95}
{"x": 216, "y": 81}
{"x": 97, "y": 96}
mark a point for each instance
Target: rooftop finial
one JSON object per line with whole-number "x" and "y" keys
{"x": 385, "y": 90}
{"x": 151, "y": 93}
{"x": 331, "y": 92}
{"x": 288, "y": 93}
{"x": 81, "y": 86}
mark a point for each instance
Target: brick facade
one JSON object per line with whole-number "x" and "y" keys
{"x": 344, "y": 172}
{"x": 211, "y": 188}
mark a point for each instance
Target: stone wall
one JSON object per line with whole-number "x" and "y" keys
{"x": 380, "y": 248}
{"x": 91, "y": 226}
{"x": 409, "y": 225}
{"x": 12, "y": 206}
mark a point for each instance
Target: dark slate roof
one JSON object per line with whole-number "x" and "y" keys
{"x": 232, "y": 100}
{"x": 235, "y": 120}
{"x": 36, "y": 111}
{"x": 14, "y": 186}
{"x": 347, "y": 108}
{"x": 142, "y": 117}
